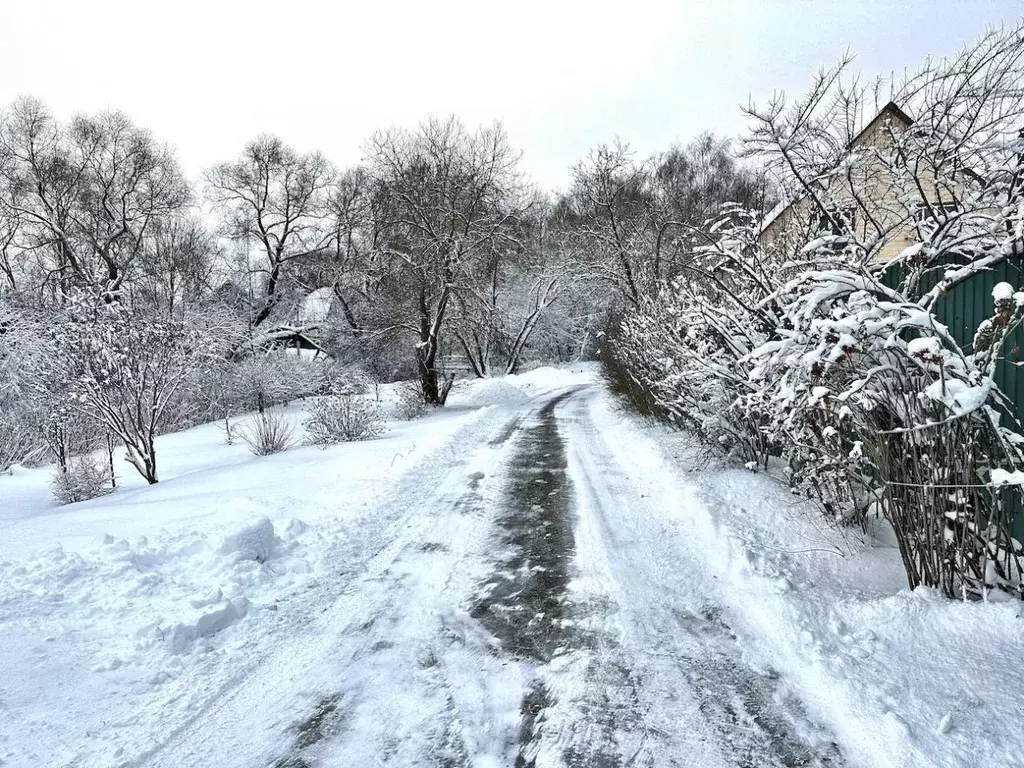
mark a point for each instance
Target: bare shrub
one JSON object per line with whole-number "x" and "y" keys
{"x": 67, "y": 432}
{"x": 268, "y": 432}
{"x": 954, "y": 531}
{"x": 343, "y": 419}
{"x": 409, "y": 404}
{"x": 86, "y": 477}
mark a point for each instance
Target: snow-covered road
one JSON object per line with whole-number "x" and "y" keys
{"x": 530, "y": 577}
{"x": 520, "y": 601}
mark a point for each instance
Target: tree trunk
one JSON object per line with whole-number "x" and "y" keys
{"x": 434, "y": 386}
{"x": 110, "y": 460}
{"x": 429, "y": 383}
{"x": 479, "y": 368}
{"x": 145, "y": 463}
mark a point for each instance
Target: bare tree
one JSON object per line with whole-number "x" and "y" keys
{"x": 689, "y": 186}
{"x": 84, "y": 194}
{"x": 8, "y": 230}
{"x": 636, "y": 221}
{"x": 611, "y": 198}
{"x": 447, "y": 198}
{"x": 348, "y": 268}
{"x": 275, "y": 203}
{"x": 178, "y": 264}
{"x": 9, "y": 224}
{"x": 498, "y": 315}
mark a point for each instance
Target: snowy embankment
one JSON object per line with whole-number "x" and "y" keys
{"x": 123, "y": 617}
{"x": 901, "y": 678}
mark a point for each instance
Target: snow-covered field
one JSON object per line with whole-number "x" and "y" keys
{"x": 121, "y": 618}
{"x": 348, "y": 607}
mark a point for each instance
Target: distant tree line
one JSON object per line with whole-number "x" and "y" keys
{"x": 134, "y": 300}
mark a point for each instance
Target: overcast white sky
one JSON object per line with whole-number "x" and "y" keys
{"x": 207, "y": 75}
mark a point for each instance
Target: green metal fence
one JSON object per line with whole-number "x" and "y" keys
{"x": 962, "y": 309}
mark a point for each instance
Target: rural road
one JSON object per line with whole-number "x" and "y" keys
{"x": 518, "y": 600}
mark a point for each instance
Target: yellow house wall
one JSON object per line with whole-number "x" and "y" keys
{"x": 876, "y": 196}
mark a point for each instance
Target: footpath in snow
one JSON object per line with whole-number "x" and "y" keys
{"x": 529, "y": 575}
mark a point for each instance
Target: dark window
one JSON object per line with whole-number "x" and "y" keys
{"x": 837, "y": 222}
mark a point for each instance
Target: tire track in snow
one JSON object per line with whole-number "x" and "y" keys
{"x": 523, "y": 603}
{"x": 527, "y": 606}
{"x": 686, "y": 668}
{"x": 338, "y": 645}
{"x": 420, "y": 677}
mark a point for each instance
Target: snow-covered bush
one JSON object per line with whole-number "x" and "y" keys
{"x": 264, "y": 380}
{"x": 275, "y": 378}
{"x": 814, "y": 340}
{"x": 121, "y": 368}
{"x": 683, "y": 355}
{"x": 409, "y": 403}
{"x": 878, "y": 405}
{"x": 268, "y": 432}
{"x": 330, "y": 377}
{"x": 85, "y": 477}
{"x": 38, "y": 403}
{"x": 872, "y": 396}
{"x": 342, "y": 419}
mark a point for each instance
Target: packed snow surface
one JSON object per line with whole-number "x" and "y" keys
{"x": 527, "y": 574}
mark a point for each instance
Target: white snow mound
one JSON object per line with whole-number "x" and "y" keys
{"x": 256, "y": 541}
{"x": 181, "y": 635}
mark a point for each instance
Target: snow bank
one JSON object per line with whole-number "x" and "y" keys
{"x": 520, "y": 388}
{"x": 253, "y": 542}
{"x": 121, "y": 618}
{"x": 902, "y": 678}
{"x": 181, "y": 636}
{"x": 488, "y": 392}
{"x": 133, "y": 597}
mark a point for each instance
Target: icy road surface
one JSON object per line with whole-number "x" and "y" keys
{"x": 520, "y": 599}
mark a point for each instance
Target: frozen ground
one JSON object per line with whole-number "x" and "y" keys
{"x": 527, "y": 578}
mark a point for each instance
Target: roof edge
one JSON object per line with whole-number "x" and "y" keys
{"x": 889, "y": 109}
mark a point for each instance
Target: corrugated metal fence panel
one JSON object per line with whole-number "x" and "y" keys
{"x": 962, "y": 310}
{"x": 965, "y": 307}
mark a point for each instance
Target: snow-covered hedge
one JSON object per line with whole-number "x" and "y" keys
{"x": 685, "y": 354}
{"x": 797, "y": 344}
{"x": 864, "y": 395}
